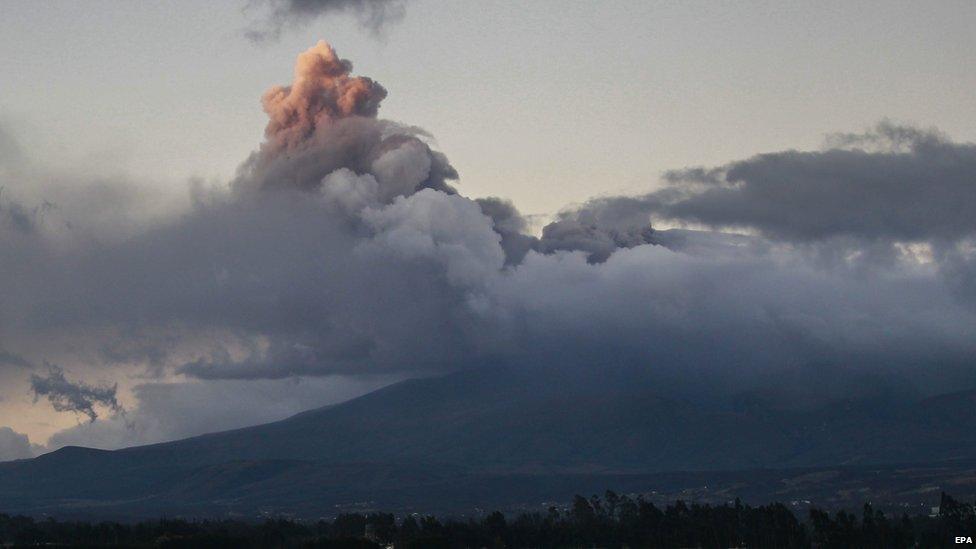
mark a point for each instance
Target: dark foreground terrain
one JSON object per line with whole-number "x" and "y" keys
{"x": 310, "y": 490}
{"x": 613, "y": 522}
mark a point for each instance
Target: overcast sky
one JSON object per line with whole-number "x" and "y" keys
{"x": 109, "y": 110}
{"x": 570, "y": 99}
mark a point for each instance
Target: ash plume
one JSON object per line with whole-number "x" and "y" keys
{"x": 326, "y": 121}
{"x": 322, "y": 93}
{"x": 342, "y": 246}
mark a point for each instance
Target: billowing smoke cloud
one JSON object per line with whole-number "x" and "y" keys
{"x": 372, "y": 14}
{"x": 323, "y": 92}
{"x": 291, "y": 271}
{"x": 78, "y": 397}
{"x": 14, "y": 445}
{"x": 594, "y": 232}
{"x": 342, "y": 247}
{"x": 597, "y": 231}
{"x": 325, "y": 121}
{"x": 511, "y": 227}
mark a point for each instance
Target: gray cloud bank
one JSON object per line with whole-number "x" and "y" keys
{"x": 892, "y": 183}
{"x": 917, "y": 187}
{"x": 343, "y": 247}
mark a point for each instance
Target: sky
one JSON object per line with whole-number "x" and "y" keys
{"x": 571, "y": 99}
{"x": 161, "y": 280}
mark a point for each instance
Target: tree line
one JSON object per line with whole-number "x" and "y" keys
{"x": 614, "y": 521}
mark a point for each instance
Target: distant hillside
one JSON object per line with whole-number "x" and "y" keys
{"x": 500, "y": 436}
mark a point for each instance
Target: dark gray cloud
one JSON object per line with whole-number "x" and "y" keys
{"x": 511, "y": 226}
{"x": 13, "y": 359}
{"x": 597, "y": 231}
{"x": 893, "y": 183}
{"x": 17, "y": 217}
{"x": 77, "y": 397}
{"x": 8, "y": 358}
{"x": 284, "y": 14}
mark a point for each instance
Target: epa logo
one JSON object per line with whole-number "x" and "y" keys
{"x": 964, "y": 539}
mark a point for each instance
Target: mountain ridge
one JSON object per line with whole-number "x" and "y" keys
{"x": 479, "y": 430}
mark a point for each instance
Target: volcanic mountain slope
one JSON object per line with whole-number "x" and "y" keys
{"x": 431, "y": 439}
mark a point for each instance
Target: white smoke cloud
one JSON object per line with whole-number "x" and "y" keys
{"x": 447, "y": 229}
